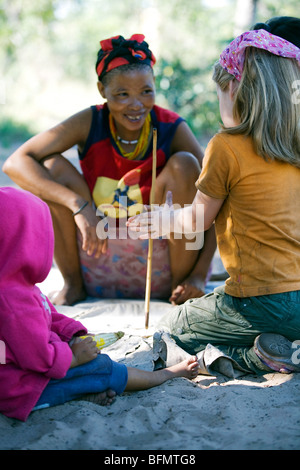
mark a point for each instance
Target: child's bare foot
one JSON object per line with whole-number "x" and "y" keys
{"x": 69, "y": 295}
{"x": 104, "y": 398}
{"x": 188, "y": 368}
{"x": 143, "y": 380}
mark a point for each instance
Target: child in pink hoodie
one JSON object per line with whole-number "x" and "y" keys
{"x": 41, "y": 369}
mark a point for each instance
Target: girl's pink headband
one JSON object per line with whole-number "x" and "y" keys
{"x": 232, "y": 58}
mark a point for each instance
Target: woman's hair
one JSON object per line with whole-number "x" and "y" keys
{"x": 265, "y": 102}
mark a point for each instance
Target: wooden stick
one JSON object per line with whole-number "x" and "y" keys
{"x": 150, "y": 246}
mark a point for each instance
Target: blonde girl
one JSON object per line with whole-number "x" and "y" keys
{"x": 249, "y": 187}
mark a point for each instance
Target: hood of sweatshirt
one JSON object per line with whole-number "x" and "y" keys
{"x": 26, "y": 238}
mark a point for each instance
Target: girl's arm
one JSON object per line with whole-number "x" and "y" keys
{"x": 211, "y": 207}
{"x": 165, "y": 220}
{"x": 66, "y": 328}
{"x": 30, "y": 344}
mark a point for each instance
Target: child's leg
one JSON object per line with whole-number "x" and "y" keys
{"x": 141, "y": 380}
{"x": 99, "y": 381}
{"x": 103, "y": 398}
{"x": 232, "y": 324}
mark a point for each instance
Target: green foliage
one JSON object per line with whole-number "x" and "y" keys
{"x": 20, "y": 22}
{"x": 13, "y": 132}
{"x": 48, "y": 51}
{"x": 189, "y": 92}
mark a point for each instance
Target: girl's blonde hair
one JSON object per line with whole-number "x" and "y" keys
{"x": 266, "y": 105}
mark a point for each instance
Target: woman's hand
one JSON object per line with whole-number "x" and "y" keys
{"x": 87, "y": 222}
{"x": 189, "y": 289}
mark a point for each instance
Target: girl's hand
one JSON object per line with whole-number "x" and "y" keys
{"x": 83, "y": 351}
{"x": 156, "y": 221}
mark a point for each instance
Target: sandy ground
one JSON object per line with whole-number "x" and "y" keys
{"x": 210, "y": 412}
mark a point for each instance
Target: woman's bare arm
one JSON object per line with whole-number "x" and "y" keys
{"x": 24, "y": 165}
{"x": 184, "y": 140}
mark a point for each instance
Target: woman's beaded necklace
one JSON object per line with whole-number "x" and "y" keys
{"x": 141, "y": 143}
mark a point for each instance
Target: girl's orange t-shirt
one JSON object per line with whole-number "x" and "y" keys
{"x": 258, "y": 226}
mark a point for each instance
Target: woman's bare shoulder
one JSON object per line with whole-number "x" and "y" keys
{"x": 78, "y": 124}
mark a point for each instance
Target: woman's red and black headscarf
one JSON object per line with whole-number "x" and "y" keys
{"x": 117, "y": 51}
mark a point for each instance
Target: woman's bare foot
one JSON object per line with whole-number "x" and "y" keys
{"x": 188, "y": 368}
{"x": 69, "y": 295}
{"x": 104, "y": 398}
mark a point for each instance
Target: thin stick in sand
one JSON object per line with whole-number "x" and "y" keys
{"x": 150, "y": 246}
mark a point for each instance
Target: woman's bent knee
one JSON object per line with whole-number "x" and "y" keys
{"x": 179, "y": 176}
{"x": 183, "y": 164}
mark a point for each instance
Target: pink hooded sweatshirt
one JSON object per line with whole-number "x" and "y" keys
{"x": 35, "y": 335}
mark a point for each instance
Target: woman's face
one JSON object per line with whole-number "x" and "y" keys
{"x": 130, "y": 97}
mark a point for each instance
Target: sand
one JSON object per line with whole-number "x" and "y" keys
{"x": 207, "y": 413}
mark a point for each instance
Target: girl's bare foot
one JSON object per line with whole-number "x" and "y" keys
{"x": 104, "y": 398}
{"x": 188, "y": 368}
{"x": 143, "y": 380}
{"x": 69, "y": 295}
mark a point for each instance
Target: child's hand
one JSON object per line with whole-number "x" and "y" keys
{"x": 156, "y": 221}
{"x": 83, "y": 351}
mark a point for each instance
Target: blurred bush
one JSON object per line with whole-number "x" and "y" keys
{"x": 48, "y": 51}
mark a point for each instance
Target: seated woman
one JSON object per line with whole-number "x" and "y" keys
{"x": 114, "y": 142}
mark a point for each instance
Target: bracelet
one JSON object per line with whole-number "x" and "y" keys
{"x": 81, "y": 208}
